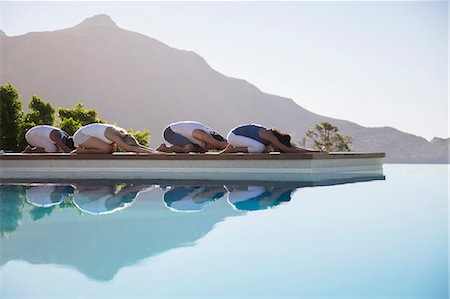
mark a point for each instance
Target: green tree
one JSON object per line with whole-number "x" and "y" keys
{"x": 12, "y": 199}
{"x": 143, "y": 137}
{"x": 10, "y": 117}
{"x": 61, "y": 192}
{"x": 71, "y": 119}
{"x": 41, "y": 113}
{"x": 74, "y": 118}
{"x": 38, "y": 213}
{"x": 69, "y": 125}
{"x": 325, "y": 137}
{"x": 23, "y": 128}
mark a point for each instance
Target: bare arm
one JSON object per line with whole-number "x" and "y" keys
{"x": 268, "y": 136}
{"x": 117, "y": 137}
{"x": 202, "y": 136}
{"x": 175, "y": 148}
{"x": 83, "y": 150}
{"x": 148, "y": 149}
{"x": 132, "y": 148}
{"x": 30, "y": 149}
{"x": 232, "y": 149}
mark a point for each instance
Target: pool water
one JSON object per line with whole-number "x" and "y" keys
{"x": 339, "y": 239}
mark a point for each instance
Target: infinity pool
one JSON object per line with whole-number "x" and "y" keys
{"x": 339, "y": 239}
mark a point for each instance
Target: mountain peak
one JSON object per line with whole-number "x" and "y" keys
{"x": 99, "y": 20}
{"x": 439, "y": 140}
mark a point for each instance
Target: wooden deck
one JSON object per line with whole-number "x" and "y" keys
{"x": 210, "y": 166}
{"x": 191, "y": 156}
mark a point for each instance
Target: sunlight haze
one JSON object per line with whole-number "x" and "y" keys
{"x": 373, "y": 63}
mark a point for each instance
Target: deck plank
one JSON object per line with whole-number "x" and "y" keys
{"x": 190, "y": 156}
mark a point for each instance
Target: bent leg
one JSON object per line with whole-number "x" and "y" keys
{"x": 244, "y": 144}
{"x": 232, "y": 149}
{"x": 95, "y": 146}
{"x": 30, "y": 149}
{"x": 119, "y": 141}
{"x": 43, "y": 144}
{"x": 180, "y": 144}
{"x": 162, "y": 148}
{"x": 175, "y": 148}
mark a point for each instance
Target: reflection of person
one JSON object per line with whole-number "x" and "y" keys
{"x": 253, "y": 138}
{"x": 251, "y": 198}
{"x": 105, "y": 199}
{"x": 191, "y": 136}
{"x": 192, "y": 198}
{"x": 48, "y": 139}
{"x": 100, "y": 138}
{"x": 47, "y": 195}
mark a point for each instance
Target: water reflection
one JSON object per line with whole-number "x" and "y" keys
{"x": 103, "y": 199}
{"x": 192, "y": 198}
{"x": 47, "y": 195}
{"x": 117, "y": 224}
{"x": 251, "y": 198}
{"x": 12, "y": 198}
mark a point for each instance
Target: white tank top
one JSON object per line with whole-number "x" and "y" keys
{"x": 96, "y": 130}
{"x": 185, "y": 128}
{"x": 44, "y": 131}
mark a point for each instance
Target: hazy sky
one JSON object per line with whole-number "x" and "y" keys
{"x": 374, "y": 63}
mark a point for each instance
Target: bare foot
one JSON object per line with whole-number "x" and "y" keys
{"x": 190, "y": 148}
{"x": 162, "y": 148}
{"x": 228, "y": 149}
{"x": 28, "y": 149}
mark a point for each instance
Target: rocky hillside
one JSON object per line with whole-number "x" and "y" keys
{"x": 139, "y": 82}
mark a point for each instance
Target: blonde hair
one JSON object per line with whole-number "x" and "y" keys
{"x": 130, "y": 140}
{"x": 126, "y": 136}
{"x": 122, "y": 131}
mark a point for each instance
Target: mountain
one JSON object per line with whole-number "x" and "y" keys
{"x": 139, "y": 82}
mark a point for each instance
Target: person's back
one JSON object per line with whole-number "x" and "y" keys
{"x": 48, "y": 139}
{"x": 187, "y": 136}
{"x": 250, "y": 131}
{"x": 252, "y": 138}
{"x": 103, "y": 138}
{"x": 186, "y": 129}
{"x": 96, "y": 130}
{"x": 44, "y": 131}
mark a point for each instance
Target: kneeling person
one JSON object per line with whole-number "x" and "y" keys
{"x": 101, "y": 138}
{"x": 254, "y": 138}
{"x": 191, "y": 136}
{"x": 48, "y": 139}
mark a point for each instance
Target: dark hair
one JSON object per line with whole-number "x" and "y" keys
{"x": 68, "y": 141}
{"x": 282, "y": 137}
{"x": 217, "y": 136}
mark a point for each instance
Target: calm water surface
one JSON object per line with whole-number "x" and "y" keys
{"x": 382, "y": 238}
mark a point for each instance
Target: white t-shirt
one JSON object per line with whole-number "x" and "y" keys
{"x": 186, "y": 128}
{"x": 244, "y": 194}
{"x": 44, "y": 132}
{"x": 95, "y": 202}
{"x": 189, "y": 203}
{"x": 95, "y": 130}
{"x": 40, "y": 196}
